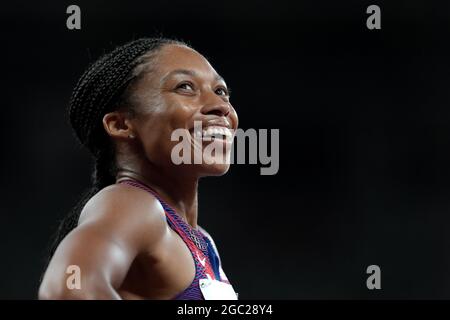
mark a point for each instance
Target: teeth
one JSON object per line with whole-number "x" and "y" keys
{"x": 217, "y": 131}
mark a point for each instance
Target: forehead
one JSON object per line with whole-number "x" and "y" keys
{"x": 178, "y": 57}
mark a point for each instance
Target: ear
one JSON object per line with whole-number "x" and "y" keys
{"x": 118, "y": 125}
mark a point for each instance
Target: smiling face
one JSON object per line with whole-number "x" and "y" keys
{"x": 181, "y": 90}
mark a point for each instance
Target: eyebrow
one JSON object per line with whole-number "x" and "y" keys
{"x": 187, "y": 72}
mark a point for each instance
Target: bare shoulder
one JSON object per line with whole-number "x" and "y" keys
{"x": 116, "y": 225}
{"x": 127, "y": 212}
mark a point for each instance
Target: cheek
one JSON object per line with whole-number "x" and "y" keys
{"x": 156, "y": 132}
{"x": 179, "y": 115}
{"x": 176, "y": 111}
{"x": 234, "y": 117}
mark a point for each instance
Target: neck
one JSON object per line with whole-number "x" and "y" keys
{"x": 179, "y": 192}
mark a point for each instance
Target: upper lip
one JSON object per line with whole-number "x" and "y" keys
{"x": 219, "y": 122}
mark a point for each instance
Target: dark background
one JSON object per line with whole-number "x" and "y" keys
{"x": 364, "y": 126}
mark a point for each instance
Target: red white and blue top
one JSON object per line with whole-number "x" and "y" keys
{"x": 200, "y": 244}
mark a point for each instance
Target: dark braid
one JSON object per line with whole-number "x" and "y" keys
{"x": 101, "y": 89}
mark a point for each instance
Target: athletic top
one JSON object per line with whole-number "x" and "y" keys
{"x": 201, "y": 246}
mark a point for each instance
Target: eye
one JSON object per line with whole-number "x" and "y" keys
{"x": 186, "y": 86}
{"x": 222, "y": 91}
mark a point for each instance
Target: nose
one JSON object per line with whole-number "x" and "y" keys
{"x": 216, "y": 105}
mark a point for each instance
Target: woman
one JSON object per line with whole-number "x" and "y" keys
{"x": 134, "y": 235}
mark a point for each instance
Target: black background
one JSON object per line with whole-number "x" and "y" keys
{"x": 364, "y": 138}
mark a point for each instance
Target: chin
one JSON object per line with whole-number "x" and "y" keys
{"x": 214, "y": 169}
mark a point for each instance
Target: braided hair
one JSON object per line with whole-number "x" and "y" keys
{"x": 104, "y": 87}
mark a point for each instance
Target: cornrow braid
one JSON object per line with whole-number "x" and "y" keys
{"x": 101, "y": 89}
{"x": 101, "y": 84}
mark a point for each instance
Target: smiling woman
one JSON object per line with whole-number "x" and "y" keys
{"x": 134, "y": 235}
